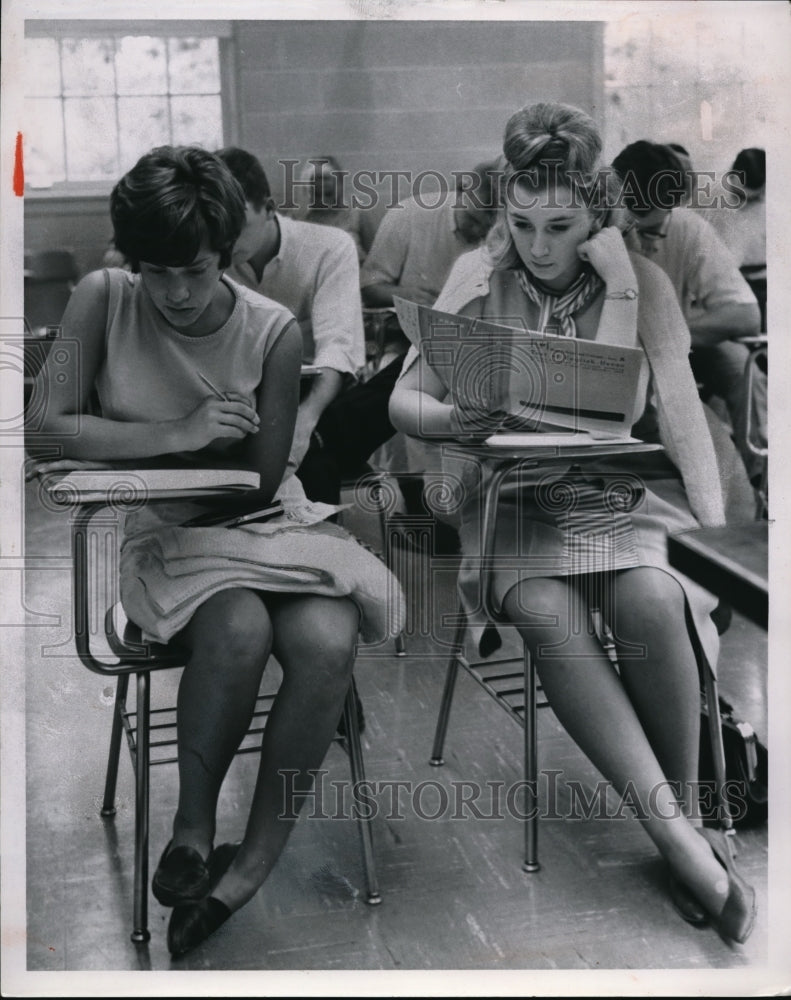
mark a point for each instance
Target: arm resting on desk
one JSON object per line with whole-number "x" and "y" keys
{"x": 417, "y": 404}
{"x": 725, "y": 322}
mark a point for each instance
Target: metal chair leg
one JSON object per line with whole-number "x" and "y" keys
{"x": 717, "y": 749}
{"x": 531, "y": 767}
{"x": 400, "y": 641}
{"x": 140, "y": 932}
{"x": 358, "y": 776}
{"x": 437, "y": 760}
{"x": 111, "y": 780}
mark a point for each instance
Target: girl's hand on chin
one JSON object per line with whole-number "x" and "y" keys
{"x": 606, "y": 252}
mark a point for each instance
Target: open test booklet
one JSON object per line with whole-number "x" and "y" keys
{"x": 552, "y": 388}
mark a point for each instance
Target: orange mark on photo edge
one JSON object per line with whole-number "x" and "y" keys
{"x": 19, "y": 170}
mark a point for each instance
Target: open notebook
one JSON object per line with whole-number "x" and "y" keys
{"x": 90, "y": 485}
{"x": 554, "y": 389}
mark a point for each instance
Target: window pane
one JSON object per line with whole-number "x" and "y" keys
{"x": 42, "y": 67}
{"x": 197, "y": 121}
{"x": 143, "y": 124}
{"x": 91, "y": 153}
{"x": 43, "y": 142}
{"x": 194, "y": 65}
{"x": 141, "y": 65}
{"x": 95, "y": 105}
{"x": 88, "y": 66}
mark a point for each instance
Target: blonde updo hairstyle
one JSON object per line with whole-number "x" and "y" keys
{"x": 546, "y": 146}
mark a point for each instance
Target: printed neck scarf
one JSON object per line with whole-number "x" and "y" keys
{"x": 560, "y": 307}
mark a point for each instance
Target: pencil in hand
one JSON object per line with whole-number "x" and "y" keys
{"x": 214, "y": 389}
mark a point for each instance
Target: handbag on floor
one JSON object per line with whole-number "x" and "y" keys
{"x": 746, "y": 768}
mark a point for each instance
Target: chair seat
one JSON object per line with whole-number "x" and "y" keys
{"x": 125, "y": 639}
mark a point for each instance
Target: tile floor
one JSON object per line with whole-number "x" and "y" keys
{"x": 455, "y": 901}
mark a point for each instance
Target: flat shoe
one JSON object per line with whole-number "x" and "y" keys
{"x": 220, "y": 861}
{"x": 685, "y": 903}
{"x": 737, "y": 918}
{"x": 182, "y": 876}
{"x": 191, "y": 923}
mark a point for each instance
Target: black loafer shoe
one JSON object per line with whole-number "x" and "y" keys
{"x": 191, "y": 923}
{"x": 182, "y": 876}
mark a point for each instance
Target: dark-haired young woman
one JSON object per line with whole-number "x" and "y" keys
{"x": 153, "y": 340}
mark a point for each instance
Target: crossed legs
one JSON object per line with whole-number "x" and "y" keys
{"x": 639, "y": 728}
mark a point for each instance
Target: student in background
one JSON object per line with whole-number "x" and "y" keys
{"x": 412, "y": 254}
{"x": 688, "y": 179}
{"x": 742, "y": 226}
{"x": 313, "y": 271}
{"x": 322, "y": 198}
{"x": 717, "y": 303}
{"x": 417, "y": 244}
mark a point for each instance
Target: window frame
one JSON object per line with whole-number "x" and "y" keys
{"x": 222, "y": 30}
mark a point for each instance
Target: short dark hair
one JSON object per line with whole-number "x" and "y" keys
{"x": 751, "y": 163}
{"x": 652, "y": 175}
{"x": 326, "y": 160}
{"x": 488, "y": 187}
{"x": 248, "y": 171}
{"x": 170, "y": 201}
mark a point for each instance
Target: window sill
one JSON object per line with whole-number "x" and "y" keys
{"x": 65, "y": 192}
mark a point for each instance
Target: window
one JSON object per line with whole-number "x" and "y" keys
{"x": 95, "y": 102}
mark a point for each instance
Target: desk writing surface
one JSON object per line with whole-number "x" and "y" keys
{"x": 533, "y": 451}
{"x": 131, "y": 484}
{"x": 730, "y": 561}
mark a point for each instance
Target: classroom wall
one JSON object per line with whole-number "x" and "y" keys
{"x": 687, "y": 77}
{"x": 404, "y": 95}
{"x": 81, "y": 225}
{"x": 379, "y": 95}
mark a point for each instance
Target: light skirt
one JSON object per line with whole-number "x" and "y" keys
{"x": 167, "y": 571}
{"x": 574, "y": 525}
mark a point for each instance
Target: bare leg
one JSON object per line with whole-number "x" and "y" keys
{"x": 230, "y": 639}
{"x": 590, "y": 701}
{"x": 663, "y": 685}
{"x": 314, "y": 643}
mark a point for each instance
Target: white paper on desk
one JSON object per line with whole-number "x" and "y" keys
{"x": 552, "y": 383}
{"x": 547, "y": 439}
